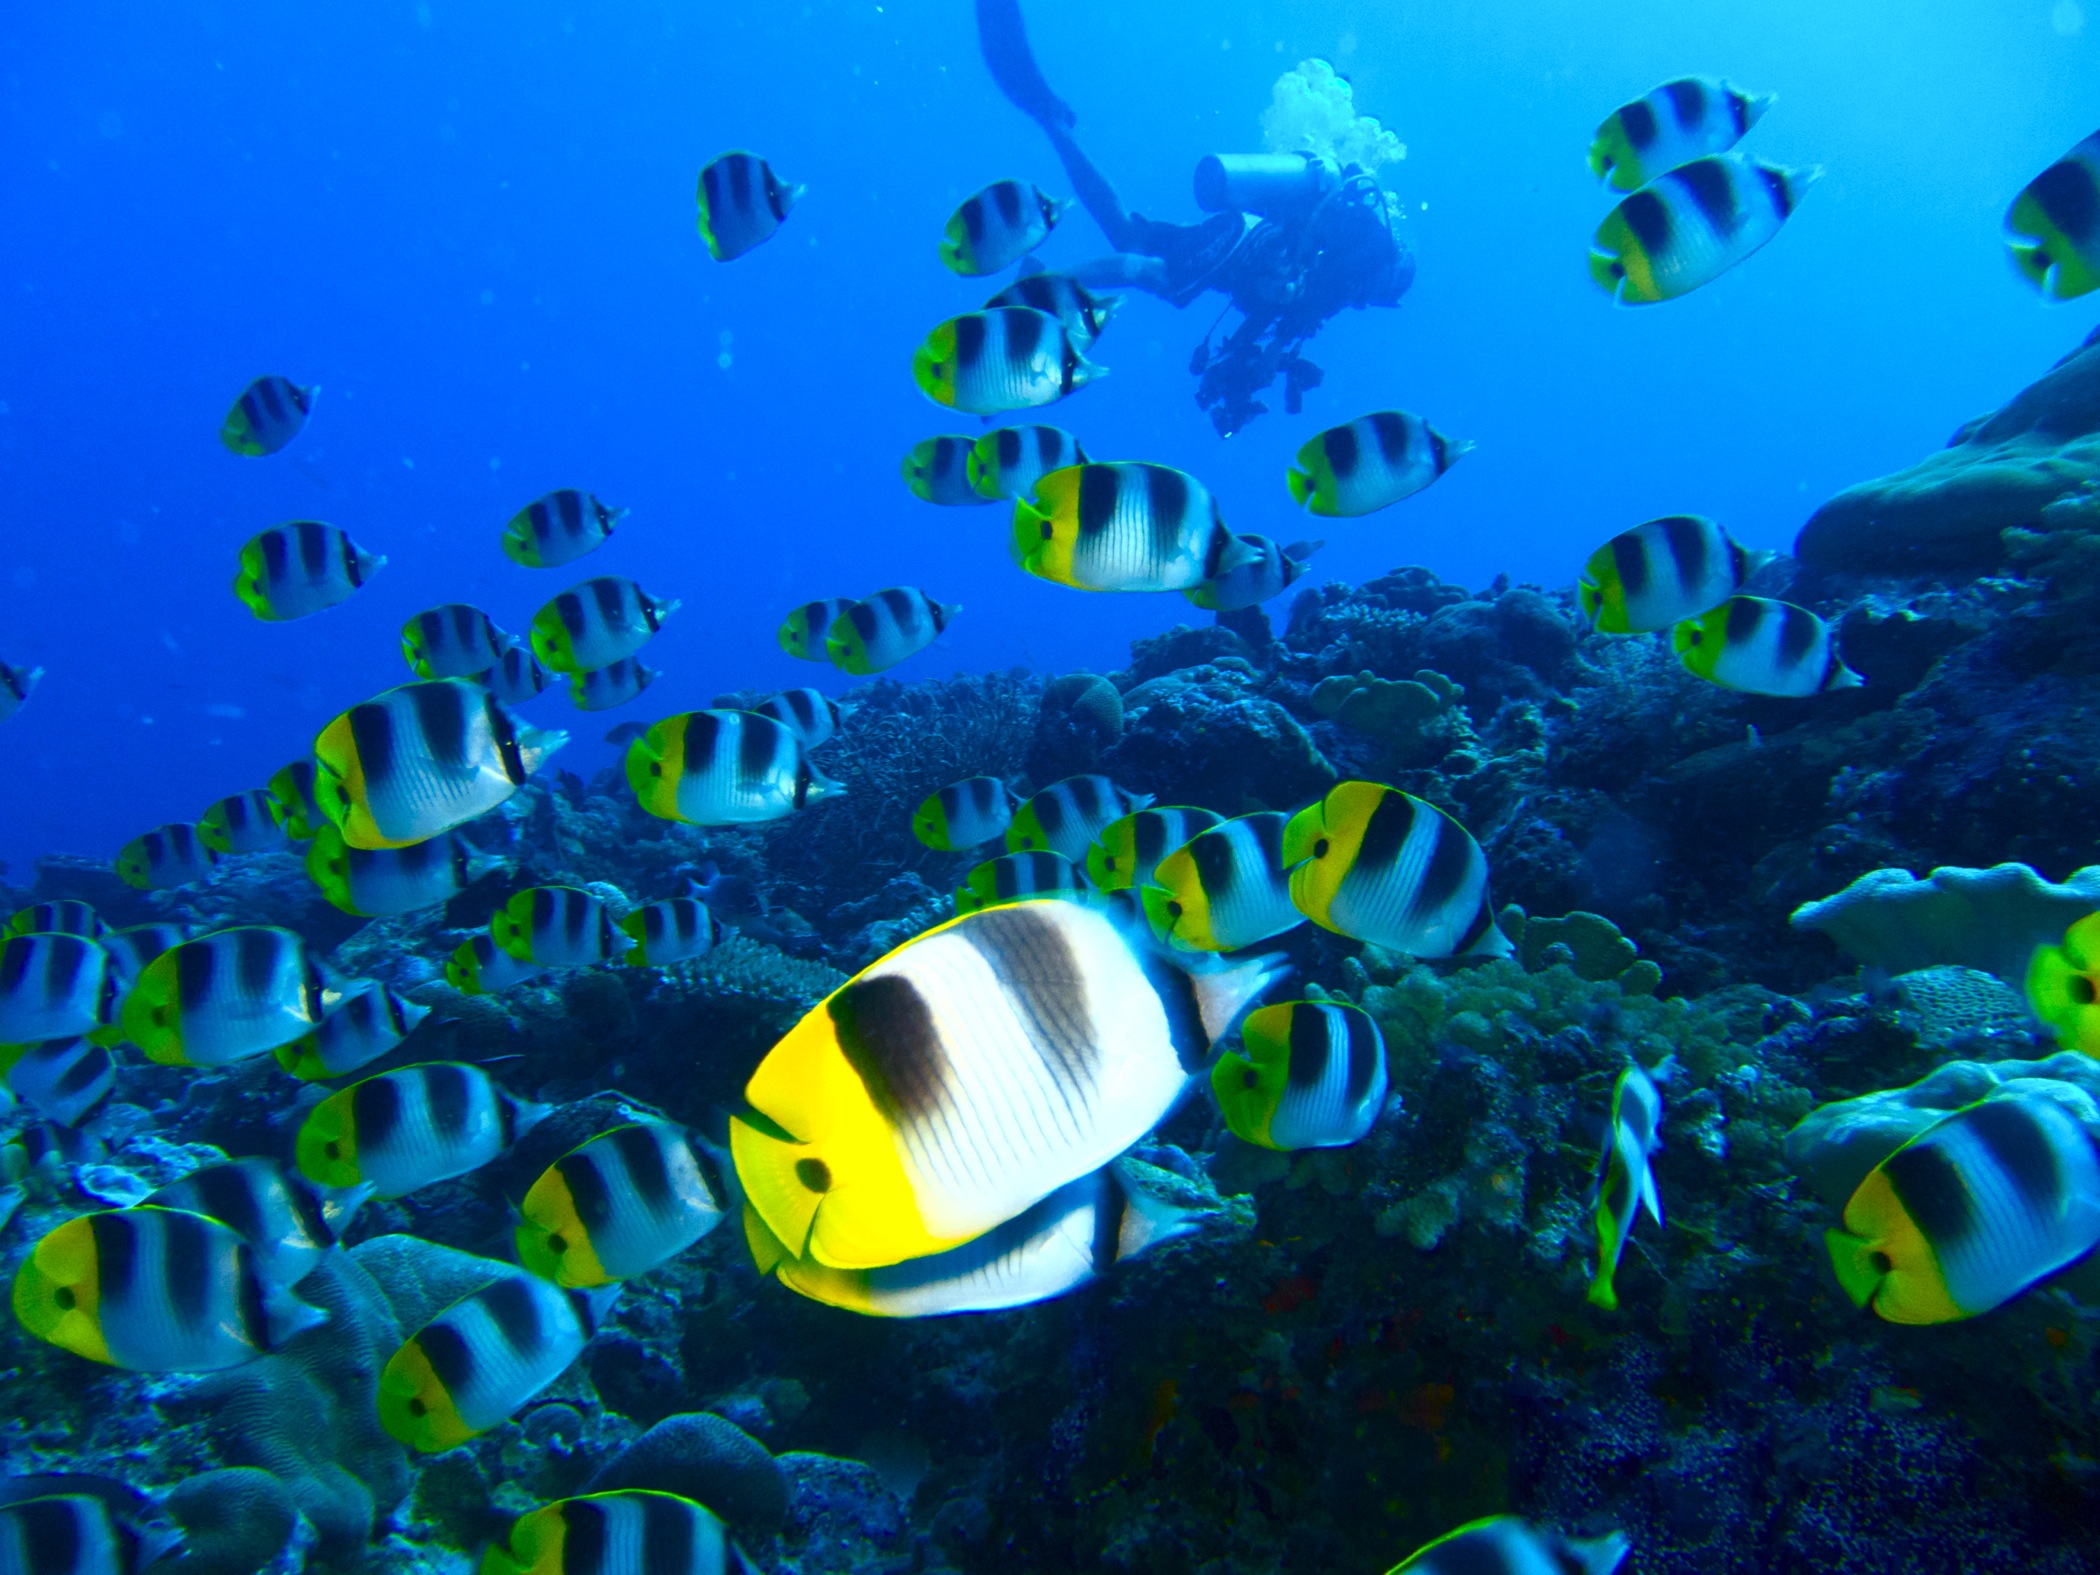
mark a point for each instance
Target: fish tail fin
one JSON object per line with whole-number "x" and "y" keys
{"x": 1601, "y": 1293}
{"x": 1650, "y": 1199}
{"x": 285, "y": 1315}
{"x": 1601, "y": 1555}
{"x": 1223, "y": 995}
{"x": 1151, "y": 1217}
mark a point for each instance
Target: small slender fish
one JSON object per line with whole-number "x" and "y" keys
{"x": 874, "y": 635}
{"x": 804, "y": 631}
{"x": 965, "y": 814}
{"x": 1271, "y": 571}
{"x": 995, "y": 228}
{"x": 1083, "y": 313}
{"x": 475, "y": 1363}
{"x": 1309, "y": 1074}
{"x": 479, "y": 966}
{"x": 723, "y": 768}
{"x": 287, "y": 1222}
{"x": 1128, "y": 851}
{"x": 155, "y": 1291}
{"x": 742, "y": 204}
{"x": 596, "y": 623}
{"x": 242, "y": 823}
{"x": 1505, "y": 1545}
{"x": 291, "y": 571}
{"x": 626, "y": 1202}
{"x": 376, "y": 883}
{"x": 292, "y": 792}
{"x": 1009, "y": 358}
{"x": 559, "y": 528}
{"x": 1076, "y": 1235}
{"x": 614, "y": 684}
{"x": 1068, "y": 815}
{"x": 1662, "y": 572}
{"x": 1379, "y": 865}
{"x": 630, "y": 1532}
{"x": 1763, "y": 647}
{"x": 53, "y": 986}
{"x": 1007, "y": 462}
{"x": 1018, "y": 877}
{"x": 66, "y": 917}
{"x": 1625, "y": 1182}
{"x": 2053, "y": 226}
{"x": 369, "y": 1022}
{"x": 455, "y": 640}
{"x": 269, "y": 414}
{"x": 411, "y": 1127}
{"x": 1678, "y": 122}
{"x": 812, "y": 715}
{"x": 1371, "y": 463}
{"x": 936, "y": 469}
{"x": 1124, "y": 526}
{"x": 421, "y": 759}
{"x": 1224, "y": 888}
{"x": 63, "y": 1080}
{"x": 166, "y": 857}
{"x": 675, "y": 930}
{"x": 515, "y": 677}
{"x": 557, "y": 927}
{"x": 1692, "y": 225}
{"x": 225, "y": 996}
{"x": 15, "y": 686}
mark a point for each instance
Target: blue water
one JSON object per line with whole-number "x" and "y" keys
{"x": 472, "y": 224}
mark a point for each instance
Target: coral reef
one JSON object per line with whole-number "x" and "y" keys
{"x": 1990, "y": 920}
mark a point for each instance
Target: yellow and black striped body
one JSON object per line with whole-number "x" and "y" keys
{"x": 965, "y": 814}
{"x": 1678, "y": 122}
{"x": 1083, "y": 313}
{"x": 379, "y": 882}
{"x": 1224, "y": 888}
{"x": 62, "y": 1080}
{"x": 371, "y": 1021}
{"x": 156, "y": 1291}
{"x": 408, "y": 1128}
{"x": 241, "y": 823}
{"x": 2054, "y": 225}
{"x": 631, "y": 1532}
{"x": 995, "y": 228}
{"x": 1660, "y": 573}
{"x": 1763, "y": 647}
{"x": 1267, "y": 571}
{"x": 1008, "y": 358}
{"x": 937, "y": 469}
{"x": 1127, "y": 851}
{"x": 1007, "y": 462}
{"x": 166, "y": 857}
{"x": 675, "y": 930}
{"x": 1020, "y": 877}
{"x": 804, "y": 631}
{"x": 614, "y": 684}
{"x": 812, "y": 715}
{"x": 292, "y": 571}
{"x": 292, "y": 792}
{"x": 53, "y": 986}
{"x": 1691, "y": 225}
{"x": 968, "y": 1074}
{"x": 558, "y": 528}
{"x": 1123, "y": 526}
{"x": 269, "y": 414}
{"x": 478, "y": 966}
{"x": 556, "y": 927}
{"x": 618, "y": 1206}
{"x": 476, "y": 1362}
{"x": 226, "y": 996}
{"x": 515, "y": 677}
{"x": 723, "y": 768}
{"x": 1379, "y": 865}
{"x": 1309, "y": 1074}
{"x": 1065, "y": 817}
{"x": 742, "y": 203}
{"x": 1371, "y": 462}
{"x": 420, "y": 760}
{"x": 132, "y": 948}
{"x": 67, "y": 917}
{"x": 594, "y": 624}
{"x": 285, "y": 1223}
{"x": 455, "y": 640}
{"x": 880, "y": 631}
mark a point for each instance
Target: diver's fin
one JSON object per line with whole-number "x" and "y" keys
{"x": 1004, "y": 41}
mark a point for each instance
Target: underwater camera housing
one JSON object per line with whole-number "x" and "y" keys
{"x": 1274, "y": 185}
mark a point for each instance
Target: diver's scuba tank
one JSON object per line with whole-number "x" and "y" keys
{"x": 1274, "y": 185}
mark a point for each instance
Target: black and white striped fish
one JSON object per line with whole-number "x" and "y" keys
{"x": 596, "y": 623}
{"x": 370, "y": 1021}
{"x": 53, "y": 986}
{"x": 1009, "y": 358}
{"x": 1309, "y": 1074}
{"x": 723, "y": 768}
{"x": 410, "y": 1127}
{"x": 1124, "y": 526}
{"x": 559, "y": 528}
{"x": 63, "y": 1080}
{"x": 291, "y": 571}
{"x": 1691, "y": 225}
{"x": 742, "y": 203}
{"x": 878, "y": 632}
{"x": 813, "y": 715}
{"x": 269, "y": 414}
{"x": 225, "y": 996}
{"x": 454, "y": 640}
{"x": 288, "y": 1223}
{"x": 620, "y": 1205}
{"x": 1379, "y": 865}
{"x": 242, "y": 823}
{"x": 676, "y": 930}
{"x": 1007, "y": 462}
{"x": 166, "y": 857}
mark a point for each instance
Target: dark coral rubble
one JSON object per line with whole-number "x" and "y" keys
{"x": 1363, "y": 1347}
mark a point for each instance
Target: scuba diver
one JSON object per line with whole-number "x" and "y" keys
{"x": 1292, "y": 238}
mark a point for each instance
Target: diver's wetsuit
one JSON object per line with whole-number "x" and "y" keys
{"x": 1285, "y": 276}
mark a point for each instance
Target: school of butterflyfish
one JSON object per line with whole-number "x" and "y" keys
{"x": 949, "y": 1131}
